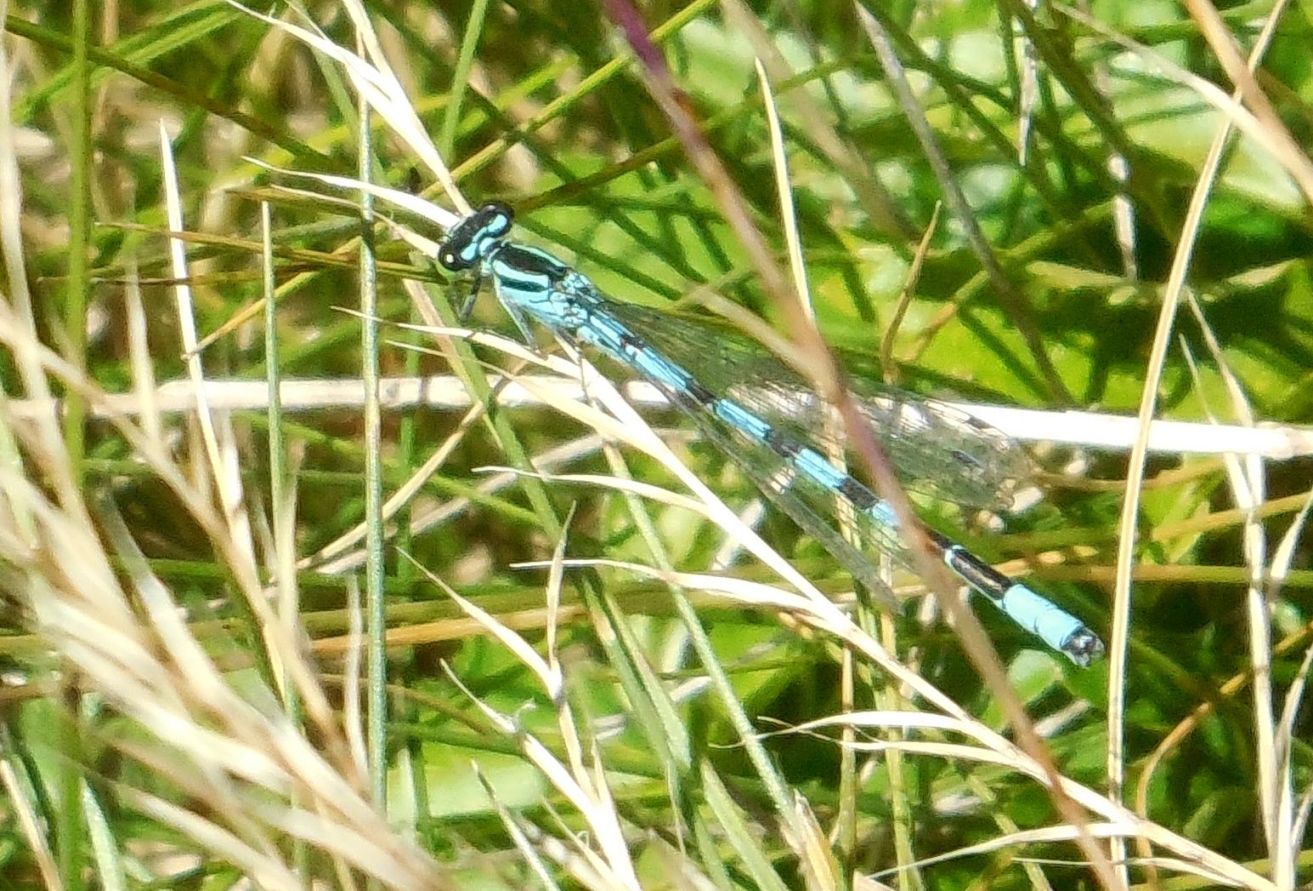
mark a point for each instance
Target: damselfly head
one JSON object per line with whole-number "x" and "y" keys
{"x": 474, "y": 237}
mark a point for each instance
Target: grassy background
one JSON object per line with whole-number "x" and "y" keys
{"x": 114, "y": 772}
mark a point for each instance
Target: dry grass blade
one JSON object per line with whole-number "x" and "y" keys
{"x": 600, "y": 664}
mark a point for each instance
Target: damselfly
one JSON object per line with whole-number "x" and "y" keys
{"x": 765, "y": 417}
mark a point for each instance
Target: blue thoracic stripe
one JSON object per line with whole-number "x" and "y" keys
{"x": 529, "y": 281}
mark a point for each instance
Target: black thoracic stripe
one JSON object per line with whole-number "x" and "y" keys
{"x": 533, "y": 261}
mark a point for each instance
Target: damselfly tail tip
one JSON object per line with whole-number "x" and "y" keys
{"x": 1083, "y": 647}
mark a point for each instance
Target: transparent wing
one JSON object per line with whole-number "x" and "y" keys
{"x": 779, "y": 397}
{"x": 935, "y": 448}
{"x": 812, "y": 506}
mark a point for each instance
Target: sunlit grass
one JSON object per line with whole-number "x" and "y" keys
{"x": 589, "y": 659}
